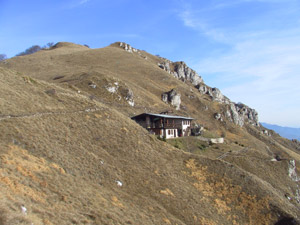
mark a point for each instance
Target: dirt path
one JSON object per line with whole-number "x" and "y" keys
{"x": 40, "y": 114}
{"x": 233, "y": 153}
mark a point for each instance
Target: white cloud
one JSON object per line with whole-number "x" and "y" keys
{"x": 83, "y": 2}
{"x": 190, "y": 20}
{"x": 267, "y": 76}
{"x": 261, "y": 64}
{"x": 76, "y": 3}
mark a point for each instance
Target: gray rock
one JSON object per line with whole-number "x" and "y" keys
{"x": 228, "y": 115}
{"x": 202, "y": 88}
{"x": 165, "y": 66}
{"x": 164, "y": 97}
{"x": 235, "y": 116}
{"x": 236, "y": 113}
{"x": 292, "y": 170}
{"x": 240, "y": 113}
{"x": 112, "y": 89}
{"x": 217, "y": 95}
{"x": 129, "y": 97}
{"x": 266, "y": 132}
{"x": 92, "y": 85}
{"x": 127, "y": 47}
{"x": 181, "y": 71}
{"x": 250, "y": 115}
{"x": 218, "y": 116}
{"x": 209, "y": 92}
{"x": 173, "y": 98}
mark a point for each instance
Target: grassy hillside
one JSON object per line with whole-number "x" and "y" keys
{"x": 67, "y": 147}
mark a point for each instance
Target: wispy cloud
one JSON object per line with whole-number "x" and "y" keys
{"x": 190, "y": 20}
{"x": 262, "y": 75}
{"x": 83, "y": 2}
{"x": 261, "y": 64}
{"x": 77, "y": 3}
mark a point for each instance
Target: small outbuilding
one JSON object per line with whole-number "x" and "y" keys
{"x": 164, "y": 125}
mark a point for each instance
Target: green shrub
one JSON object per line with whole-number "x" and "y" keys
{"x": 161, "y": 138}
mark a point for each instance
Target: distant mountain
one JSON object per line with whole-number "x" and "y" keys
{"x": 287, "y": 132}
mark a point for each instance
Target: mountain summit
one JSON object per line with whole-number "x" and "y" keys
{"x": 71, "y": 154}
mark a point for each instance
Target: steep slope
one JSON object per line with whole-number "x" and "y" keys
{"x": 139, "y": 72}
{"x": 68, "y": 143}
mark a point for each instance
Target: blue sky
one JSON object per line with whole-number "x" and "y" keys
{"x": 249, "y": 49}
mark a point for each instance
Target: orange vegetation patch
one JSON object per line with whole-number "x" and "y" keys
{"x": 116, "y": 202}
{"x": 167, "y": 221}
{"x": 167, "y": 192}
{"x": 19, "y": 174}
{"x": 15, "y": 187}
{"x": 228, "y": 199}
{"x": 205, "y": 221}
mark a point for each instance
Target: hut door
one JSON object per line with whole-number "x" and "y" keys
{"x": 148, "y": 122}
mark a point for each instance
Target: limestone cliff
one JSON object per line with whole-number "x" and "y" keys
{"x": 172, "y": 97}
{"x": 237, "y": 113}
{"x": 181, "y": 71}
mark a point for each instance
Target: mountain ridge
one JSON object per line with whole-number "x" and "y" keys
{"x": 284, "y": 131}
{"x": 72, "y": 154}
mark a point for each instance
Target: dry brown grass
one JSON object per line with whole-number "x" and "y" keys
{"x": 62, "y": 161}
{"x": 229, "y": 199}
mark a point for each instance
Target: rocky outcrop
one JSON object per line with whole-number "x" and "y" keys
{"x": 218, "y": 116}
{"x": 296, "y": 143}
{"x": 292, "y": 170}
{"x": 236, "y": 113}
{"x": 249, "y": 114}
{"x": 112, "y": 88}
{"x": 218, "y": 96}
{"x": 127, "y": 47}
{"x": 240, "y": 113}
{"x": 172, "y": 97}
{"x": 122, "y": 91}
{"x": 266, "y": 132}
{"x": 178, "y": 69}
{"x": 181, "y": 71}
{"x": 92, "y": 85}
{"x": 214, "y": 93}
{"x": 203, "y": 89}
{"x": 165, "y": 65}
{"x": 233, "y": 115}
{"x": 130, "y": 49}
{"x": 129, "y": 96}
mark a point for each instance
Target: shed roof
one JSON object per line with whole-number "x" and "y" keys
{"x": 164, "y": 116}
